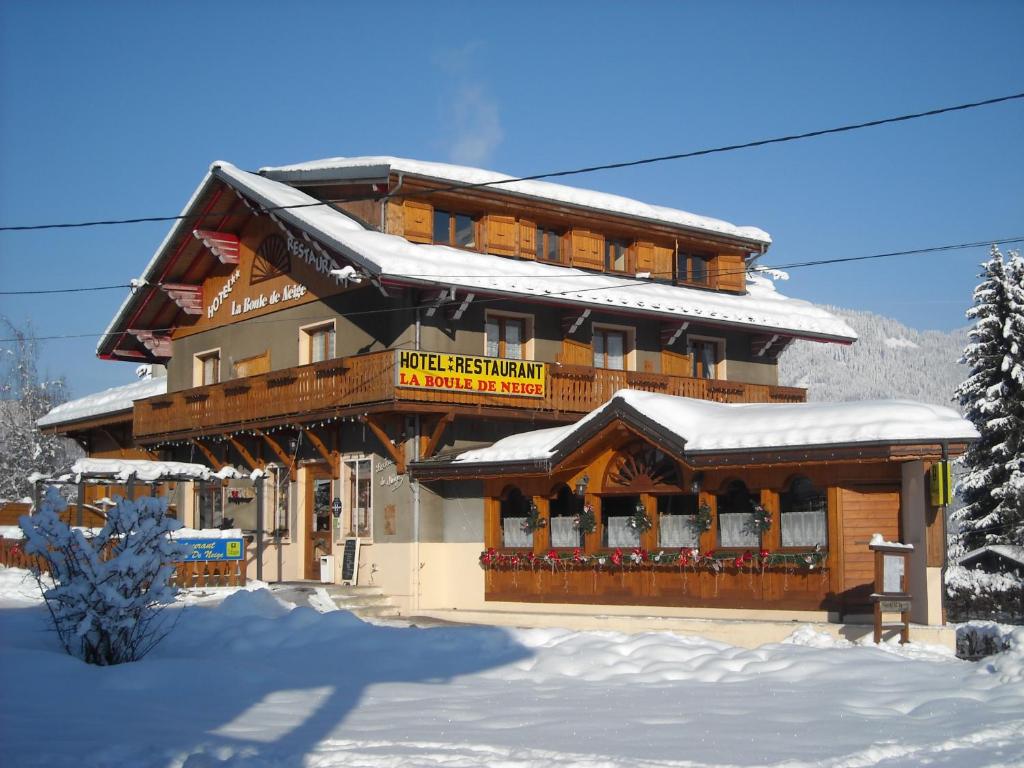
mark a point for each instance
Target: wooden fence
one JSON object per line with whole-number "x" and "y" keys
{"x": 227, "y": 573}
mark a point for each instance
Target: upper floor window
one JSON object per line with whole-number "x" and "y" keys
{"x": 692, "y": 268}
{"x": 616, "y": 255}
{"x": 206, "y": 368}
{"x": 458, "y": 229}
{"x": 610, "y": 349}
{"x": 506, "y": 336}
{"x": 318, "y": 343}
{"x": 549, "y": 245}
{"x": 706, "y": 358}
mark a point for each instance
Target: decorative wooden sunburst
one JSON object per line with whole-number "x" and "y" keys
{"x": 272, "y": 259}
{"x": 643, "y": 467}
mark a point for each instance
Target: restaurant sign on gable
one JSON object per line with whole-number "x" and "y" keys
{"x": 466, "y": 373}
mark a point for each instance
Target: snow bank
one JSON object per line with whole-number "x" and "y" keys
{"x": 709, "y": 426}
{"x": 335, "y": 168}
{"x": 253, "y": 682}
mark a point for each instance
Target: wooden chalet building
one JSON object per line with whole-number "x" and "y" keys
{"x": 525, "y": 396}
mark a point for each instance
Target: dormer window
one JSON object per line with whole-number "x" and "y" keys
{"x": 458, "y": 229}
{"x": 616, "y": 255}
{"x": 548, "y": 243}
{"x": 692, "y": 268}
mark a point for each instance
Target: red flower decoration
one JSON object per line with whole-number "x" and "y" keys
{"x": 738, "y": 562}
{"x": 553, "y": 555}
{"x": 617, "y": 556}
{"x": 576, "y": 557}
{"x": 748, "y": 556}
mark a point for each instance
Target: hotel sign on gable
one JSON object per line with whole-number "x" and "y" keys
{"x": 465, "y": 373}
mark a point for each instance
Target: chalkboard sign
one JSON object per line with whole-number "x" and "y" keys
{"x": 350, "y": 562}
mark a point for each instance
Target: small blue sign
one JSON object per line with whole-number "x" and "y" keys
{"x": 207, "y": 550}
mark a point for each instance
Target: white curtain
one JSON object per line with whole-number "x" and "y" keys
{"x": 513, "y": 534}
{"x": 804, "y": 529}
{"x": 563, "y": 534}
{"x": 620, "y": 534}
{"x": 676, "y": 531}
{"x": 731, "y": 525}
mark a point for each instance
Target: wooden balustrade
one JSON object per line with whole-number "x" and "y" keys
{"x": 314, "y": 390}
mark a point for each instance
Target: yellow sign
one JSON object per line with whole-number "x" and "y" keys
{"x": 234, "y": 549}
{"x": 465, "y": 373}
{"x": 941, "y": 477}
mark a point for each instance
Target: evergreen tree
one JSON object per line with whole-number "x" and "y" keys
{"x": 24, "y": 398}
{"x": 992, "y": 397}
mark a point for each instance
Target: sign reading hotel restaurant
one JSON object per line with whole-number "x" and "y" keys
{"x": 211, "y": 550}
{"x": 466, "y": 373}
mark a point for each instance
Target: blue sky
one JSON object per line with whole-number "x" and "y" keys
{"x": 117, "y": 109}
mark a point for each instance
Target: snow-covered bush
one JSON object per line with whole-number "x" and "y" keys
{"x": 108, "y": 589}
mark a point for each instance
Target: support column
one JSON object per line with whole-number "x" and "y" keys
{"x": 924, "y": 583}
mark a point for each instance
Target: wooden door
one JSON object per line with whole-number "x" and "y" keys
{"x": 319, "y": 538}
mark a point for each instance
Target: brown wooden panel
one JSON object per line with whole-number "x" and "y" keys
{"x": 661, "y": 269}
{"x": 674, "y": 363}
{"x": 586, "y": 249}
{"x": 575, "y": 352}
{"x": 419, "y": 221}
{"x": 251, "y": 366}
{"x": 645, "y": 257}
{"x": 500, "y": 234}
{"x": 730, "y": 271}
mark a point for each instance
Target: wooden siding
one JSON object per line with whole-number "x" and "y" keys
{"x": 309, "y": 391}
{"x": 500, "y": 235}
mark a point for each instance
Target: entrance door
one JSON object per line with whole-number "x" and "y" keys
{"x": 319, "y": 486}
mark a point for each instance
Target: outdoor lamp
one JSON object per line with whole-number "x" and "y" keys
{"x": 696, "y": 482}
{"x": 581, "y": 485}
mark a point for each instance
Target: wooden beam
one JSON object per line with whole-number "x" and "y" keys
{"x": 331, "y": 457}
{"x": 276, "y": 448}
{"x": 121, "y": 444}
{"x": 435, "y": 436}
{"x": 244, "y": 453}
{"x": 393, "y": 451}
{"x": 223, "y": 245}
{"x": 217, "y": 464}
{"x": 157, "y": 343}
{"x": 670, "y": 332}
{"x": 188, "y": 297}
{"x": 440, "y": 298}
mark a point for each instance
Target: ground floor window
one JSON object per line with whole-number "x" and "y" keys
{"x": 563, "y": 509}
{"x": 515, "y": 510}
{"x": 735, "y": 515}
{"x": 210, "y": 505}
{"x": 676, "y": 516}
{"x": 282, "y": 502}
{"x": 616, "y": 513}
{"x": 804, "y": 515}
{"x": 359, "y": 474}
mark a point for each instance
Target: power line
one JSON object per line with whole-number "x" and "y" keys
{"x": 722, "y": 273}
{"x": 632, "y": 282}
{"x": 563, "y": 173}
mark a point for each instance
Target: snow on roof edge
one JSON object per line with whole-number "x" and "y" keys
{"x": 327, "y": 168}
{"x": 105, "y": 402}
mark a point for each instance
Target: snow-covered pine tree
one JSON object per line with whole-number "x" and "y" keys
{"x": 24, "y": 398}
{"x": 992, "y": 398}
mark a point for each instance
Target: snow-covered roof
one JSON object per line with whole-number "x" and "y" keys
{"x": 103, "y": 403}
{"x": 395, "y": 258}
{"x": 1009, "y": 551}
{"x": 709, "y": 427}
{"x": 148, "y": 471}
{"x": 378, "y": 167}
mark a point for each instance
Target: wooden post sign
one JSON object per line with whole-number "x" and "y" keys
{"x": 350, "y": 561}
{"x": 890, "y": 595}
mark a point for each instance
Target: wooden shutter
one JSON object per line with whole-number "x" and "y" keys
{"x": 586, "y": 249}
{"x": 419, "y": 221}
{"x": 729, "y": 270}
{"x": 645, "y": 258}
{"x": 527, "y": 239}
{"x": 575, "y": 353}
{"x": 661, "y": 269}
{"x": 500, "y": 234}
{"x": 675, "y": 363}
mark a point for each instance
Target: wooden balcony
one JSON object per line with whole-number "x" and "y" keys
{"x": 364, "y": 381}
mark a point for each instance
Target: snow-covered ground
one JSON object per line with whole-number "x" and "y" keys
{"x": 248, "y": 680}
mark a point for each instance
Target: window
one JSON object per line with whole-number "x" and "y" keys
{"x": 548, "y": 244}
{"x": 514, "y": 511}
{"x": 735, "y": 510}
{"x": 616, "y": 254}
{"x": 692, "y": 268}
{"x": 360, "y": 497}
{"x": 206, "y": 368}
{"x": 282, "y": 506}
{"x": 318, "y": 343}
{"x": 458, "y": 229}
{"x": 210, "y": 505}
{"x": 322, "y": 505}
{"x": 616, "y": 512}
{"x": 804, "y": 515}
{"x": 562, "y": 510}
{"x": 505, "y": 336}
{"x": 705, "y": 358}
{"x": 676, "y": 514}
{"x": 610, "y": 349}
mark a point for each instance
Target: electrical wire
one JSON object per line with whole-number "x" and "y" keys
{"x": 558, "y": 174}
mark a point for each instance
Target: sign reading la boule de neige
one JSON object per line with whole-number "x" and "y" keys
{"x": 467, "y": 373}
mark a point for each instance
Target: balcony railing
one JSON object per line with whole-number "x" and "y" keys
{"x": 310, "y": 391}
